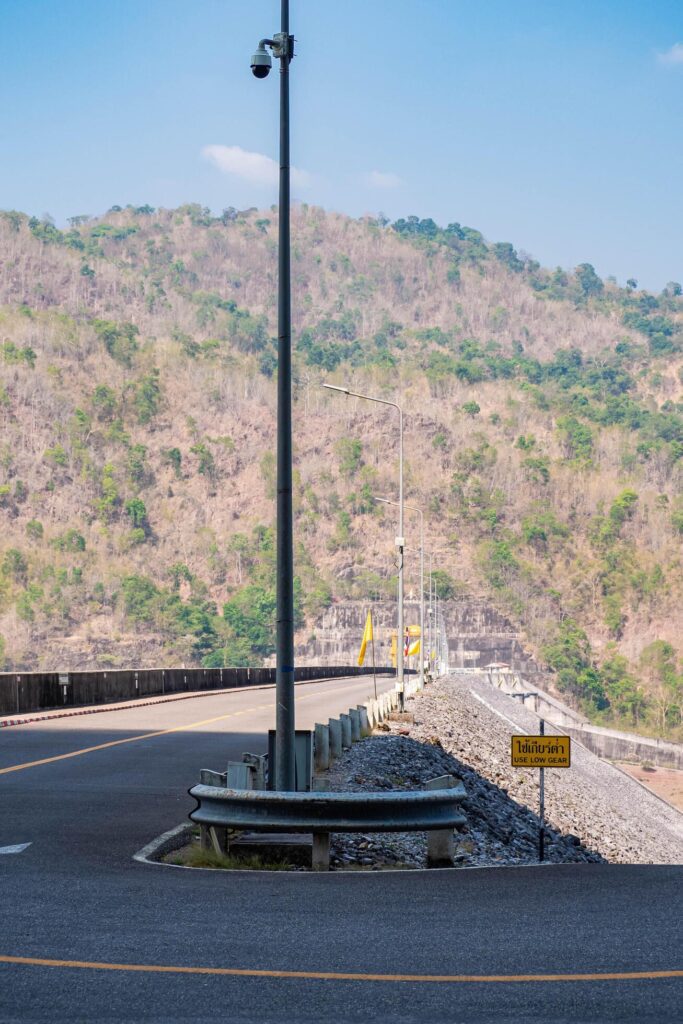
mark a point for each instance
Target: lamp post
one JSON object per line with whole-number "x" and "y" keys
{"x": 414, "y": 508}
{"x": 282, "y": 47}
{"x": 400, "y": 540}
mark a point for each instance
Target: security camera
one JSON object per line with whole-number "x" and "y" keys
{"x": 261, "y": 62}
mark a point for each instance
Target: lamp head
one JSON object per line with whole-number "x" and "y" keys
{"x": 261, "y": 62}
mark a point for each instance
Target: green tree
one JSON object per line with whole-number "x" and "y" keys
{"x": 34, "y": 529}
{"x": 137, "y": 511}
{"x": 173, "y": 457}
{"x": 207, "y": 463}
{"x": 443, "y": 585}
{"x": 56, "y": 455}
{"x": 569, "y": 654}
{"x": 589, "y": 281}
{"x": 120, "y": 340}
{"x": 625, "y": 696}
{"x": 104, "y": 402}
{"x": 349, "y": 451}
{"x": 109, "y": 493}
{"x": 658, "y": 665}
{"x": 140, "y": 597}
{"x": 136, "y": 464}
{"x": 251, "y": 614}
{"x": 15, "y": 565}
{"x": 147, "y": 396}
{"x": 577, "y": 438}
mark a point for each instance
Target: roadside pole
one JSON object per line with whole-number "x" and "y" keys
{"x": 541, "y": 834}
{"x": 374, "y": 673}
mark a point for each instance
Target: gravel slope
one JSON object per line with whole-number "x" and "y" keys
{"x": 462, "y": 725}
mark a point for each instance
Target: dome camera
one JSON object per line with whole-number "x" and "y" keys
{"x": 261, "y": 62}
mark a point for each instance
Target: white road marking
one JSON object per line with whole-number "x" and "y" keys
{"x": 18, "y": 848}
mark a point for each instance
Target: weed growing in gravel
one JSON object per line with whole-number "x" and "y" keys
{"x": 196, "y": 858}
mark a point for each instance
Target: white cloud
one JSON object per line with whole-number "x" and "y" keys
{"x": 382, "y": 179}
{"x": 673, "y": 56}
{"x": 253, "y": 167}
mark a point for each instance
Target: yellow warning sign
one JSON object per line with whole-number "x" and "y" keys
{"x": 541, "y": 752}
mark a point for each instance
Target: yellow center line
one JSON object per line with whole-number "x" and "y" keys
{"x": 137, "y": 739}
{"x": 341, "y": 975}
{"x": 116, "y": 743}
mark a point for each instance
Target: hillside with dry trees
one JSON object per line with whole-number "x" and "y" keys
{"x": 544, "y": 439}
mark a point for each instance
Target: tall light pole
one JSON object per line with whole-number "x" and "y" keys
{"x": 414, "y": 508}
{"x": 282, "y": 47}
{"x": 431, "y": 615}
{"x": 400, "y": 540}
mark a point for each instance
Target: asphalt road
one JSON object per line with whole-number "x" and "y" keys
{"x": 75, "y": 896}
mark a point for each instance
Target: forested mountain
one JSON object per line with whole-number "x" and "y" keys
{"x": 544, "y": 438}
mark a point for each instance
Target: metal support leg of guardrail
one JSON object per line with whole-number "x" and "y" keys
{"x": 365, "y": 727}
{"x": 321, "y": 747}
{"x": 335, "y": 728}
{"x": 346, "y": 734}
{"x": 440, "y": 846}
{"x": 354, "y": 715}
{"x": 320, "y": 855}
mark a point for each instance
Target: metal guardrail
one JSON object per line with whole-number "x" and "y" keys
{"x": 413, "y": 811}
{"x": 435, "y": 810}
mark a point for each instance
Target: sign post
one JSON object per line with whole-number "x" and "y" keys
{"x": 541, "y": 832}
{"x": 541, "y": 752}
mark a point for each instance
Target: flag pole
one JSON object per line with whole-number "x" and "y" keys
{"x": 374, "y": 673}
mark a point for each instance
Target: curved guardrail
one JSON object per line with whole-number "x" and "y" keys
{"x": 262, "y": 810}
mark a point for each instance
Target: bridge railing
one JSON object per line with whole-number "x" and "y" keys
{"x": 21, "y": 692}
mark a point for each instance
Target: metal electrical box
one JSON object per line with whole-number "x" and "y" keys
{"x": 303, "y": 755}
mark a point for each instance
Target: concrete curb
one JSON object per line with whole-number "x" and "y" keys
{"x": 171, "y": 840}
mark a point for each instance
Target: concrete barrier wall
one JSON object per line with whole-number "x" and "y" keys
{"x": 35, "y": 691}
{"x": 610, "y": 744}
{"x": 618, "y": 746}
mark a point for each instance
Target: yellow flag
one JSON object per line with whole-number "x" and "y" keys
{"x": 414, "y": 648}
{"x": 367, "y": 638}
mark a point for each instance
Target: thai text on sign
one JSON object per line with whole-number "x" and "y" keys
{"x": 541, "y": 752}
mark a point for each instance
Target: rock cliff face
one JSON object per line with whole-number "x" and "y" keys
{"x": 477, "y": 635}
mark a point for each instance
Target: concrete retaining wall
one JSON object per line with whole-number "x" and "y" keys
{"x": 607, "y": 743}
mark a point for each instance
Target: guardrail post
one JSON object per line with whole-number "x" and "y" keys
{"x": 335, "y": 728}
{"x": 365, "y": 728}
{"x": 320, "y": 855}
{"x": 440, "y": 846}
{"x": 354, "y": 715}
{"x": 346, "y": 735}
{"x": 321, "y": 747}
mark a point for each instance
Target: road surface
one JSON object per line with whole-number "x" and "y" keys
{"x": 90, "y": 935}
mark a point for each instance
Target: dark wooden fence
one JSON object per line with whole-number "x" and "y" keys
{"x": 33, "y": 691}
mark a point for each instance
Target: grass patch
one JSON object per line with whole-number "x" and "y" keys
{"x": 194, "y": 857}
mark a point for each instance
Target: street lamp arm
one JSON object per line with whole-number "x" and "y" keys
{"x": 387, "y": 501}
{"x": 356, "y": 394}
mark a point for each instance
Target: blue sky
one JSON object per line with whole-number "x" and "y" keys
{"x": 552, "y": 125}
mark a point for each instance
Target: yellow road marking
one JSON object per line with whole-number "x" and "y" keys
{"x": 136, "y": 739}
{"x": 114, "y": 743}
{"x": 338, "y": 975}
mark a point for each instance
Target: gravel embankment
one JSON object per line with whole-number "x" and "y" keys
{"x": 594, "y": 812}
